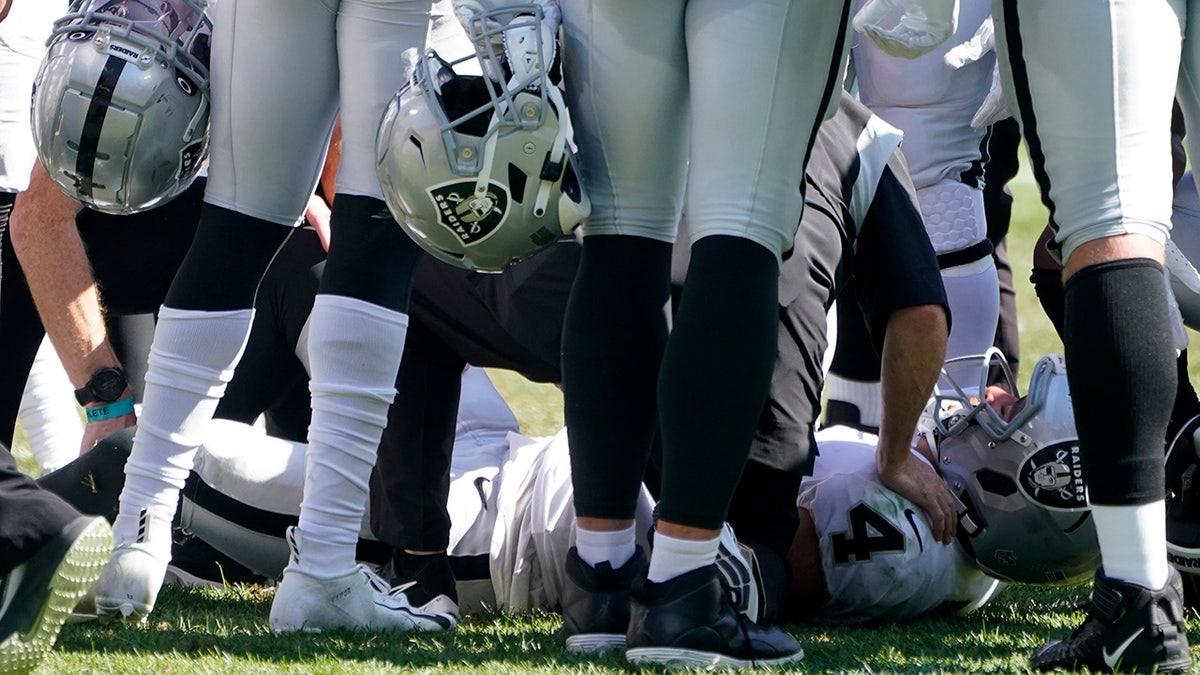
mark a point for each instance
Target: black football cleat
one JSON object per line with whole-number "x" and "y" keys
{"x": 426, "y": 581}
{"x": 1128, "y": 629}
{"x": 690, "y": 622}
{"x": 596, "y": 603}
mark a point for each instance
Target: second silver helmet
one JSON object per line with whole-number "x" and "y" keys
{"x": 480, "y": 172}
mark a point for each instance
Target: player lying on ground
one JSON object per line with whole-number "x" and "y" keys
{"x": 512, "y": 514}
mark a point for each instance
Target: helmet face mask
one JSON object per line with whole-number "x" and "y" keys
{"x": 1021, "y": 481}
{"x": 480, "y": 172}
{"x": 120, "y": 104}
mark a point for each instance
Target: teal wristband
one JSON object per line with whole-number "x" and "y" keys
{"x": 107, "y": 412}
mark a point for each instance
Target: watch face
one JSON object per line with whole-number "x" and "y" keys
{"x": 107, "y": 384}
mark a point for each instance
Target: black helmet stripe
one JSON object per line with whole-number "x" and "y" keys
{"x": 93, "y": 124}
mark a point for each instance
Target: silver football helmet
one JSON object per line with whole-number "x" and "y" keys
{"x": 120, "y": 104}
{"x": 480, "y": 172}
{"x": 1025, "y": 514}
{"x": 1183, "y": 505}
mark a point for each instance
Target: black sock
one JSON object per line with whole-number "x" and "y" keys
{"x": 1120, "y": 365}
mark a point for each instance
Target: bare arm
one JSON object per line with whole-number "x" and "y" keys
{"x": 913, "y": 350}
{"x": 60, "y": 279}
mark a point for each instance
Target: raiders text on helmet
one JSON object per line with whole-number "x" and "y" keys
{"x": 478, "y": 172}
{"x": 120, "y": 104}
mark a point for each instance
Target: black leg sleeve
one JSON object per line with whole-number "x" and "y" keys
{"x": 370, "y": 257}
{"x": 613, "y": 337}
{"x": 1187, "y": 405}
{"x": 1049, "y": 288}
{"x": 1121, "y": 370}
{"x": 715, "y": 376}
{"x": 227, "y": 258}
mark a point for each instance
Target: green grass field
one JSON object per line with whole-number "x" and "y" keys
{"x": 195, "y": 631}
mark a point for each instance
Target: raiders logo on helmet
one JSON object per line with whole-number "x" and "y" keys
{"x": 471, "y": 216}
{"x": 1053, "y": 477}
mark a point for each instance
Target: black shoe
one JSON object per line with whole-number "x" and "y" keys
{"x": 689, "y": 622}
{"x": 1128, "y": 628}
{"x": 426, "y": 581}
{"x": 39, "y": 594}
{"x": 596, "y": 603}
{"x": 194, "y": 562}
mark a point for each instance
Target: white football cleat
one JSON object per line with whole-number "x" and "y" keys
{"x": 128, "y": 587}
{"x": 359, "y": 601}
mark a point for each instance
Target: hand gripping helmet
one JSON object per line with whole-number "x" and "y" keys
{"x": 1183, "y": 508}
{"x": 479, "y": 172}
{"x": 120, "y": 105}
{"x": 1024, "y": 515}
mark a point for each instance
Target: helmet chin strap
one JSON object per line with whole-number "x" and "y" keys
{"x": 557, "y": 156}
{"x": 201, "y": 117}
{"x": 555, "y": 159}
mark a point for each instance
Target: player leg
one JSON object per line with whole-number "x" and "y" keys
{"x": 21, "y": 331}
{"x": 356, "y": 332}
{"x": 618, "y": 57}
{"x": 743, "y": 203}
{"x": 262, "y": 169}
{"x": 1100, "y": 143}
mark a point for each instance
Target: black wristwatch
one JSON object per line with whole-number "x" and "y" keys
{"x": 106, "y": 386}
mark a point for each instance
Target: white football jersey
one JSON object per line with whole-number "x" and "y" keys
{"x": 931, "y": 102}
{"x": 878, "y": 555}
{"x": 535, "y": 523}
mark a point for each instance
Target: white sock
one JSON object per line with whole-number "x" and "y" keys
{"x": 672, "y": 557}
{"x": 191, "y": 360}
{"x": 355, "y": 349}
{"x": 615, "y": 547}
{"x": 1133, "y": 543}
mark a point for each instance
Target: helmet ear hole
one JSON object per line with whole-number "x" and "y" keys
{"x": 570, "y": 184}
{"x": 416, "y": 142}
{"x": 517, "y": 180}
{"x": 996, "y": 483}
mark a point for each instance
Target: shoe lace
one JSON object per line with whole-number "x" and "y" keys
{"x": 730, "y": 597}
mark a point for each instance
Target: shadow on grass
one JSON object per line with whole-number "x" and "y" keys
{"x": 206, "y": 628}
{"x": 190, "y": 624}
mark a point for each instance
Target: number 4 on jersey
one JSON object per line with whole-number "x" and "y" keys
{"x": 869, "y": 533}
